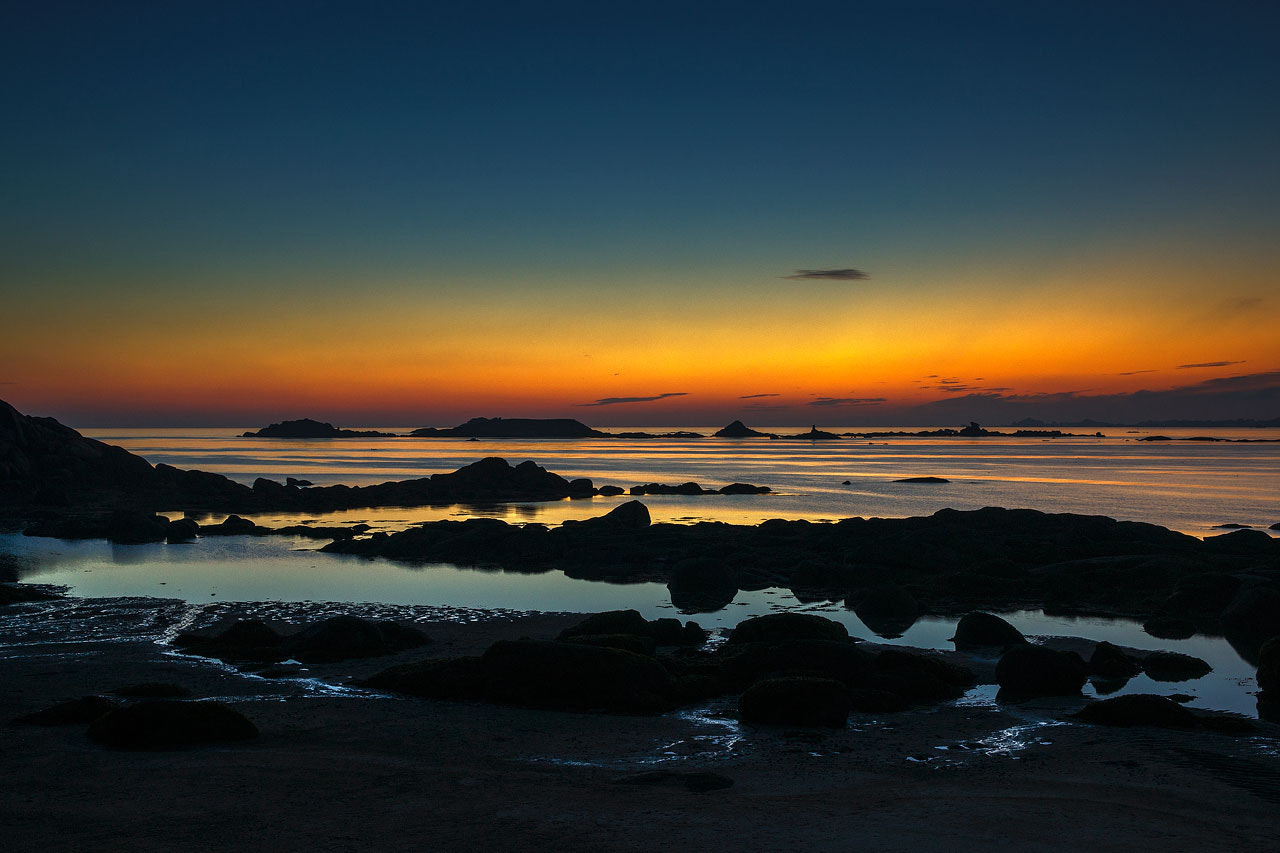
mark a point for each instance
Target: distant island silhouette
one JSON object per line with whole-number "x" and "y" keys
{"x": 307, "y": 428}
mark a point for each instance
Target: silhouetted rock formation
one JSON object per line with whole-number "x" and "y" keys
{"x": 86, "y": 709}
{"x": 694, "y": 489}
{"x": 923, "y": 480}
{"x": 514, "y": 428}
{"x": 167, "y": 724}
{"x": 1145, "y": 709}
{"x": 307, "y": 428}
{"x": 738, "y": 429}
{"x": 985, "y": 630}
{"x": 1174, "y": 666}
{"x": 796, "y": 701}
{"x": 1112, "y": 663}
{"x": 334, "y": 639}
{"x": 815, "y": 434}
{"x": 888, "y": 609}
{"x": 1027, "y": 671}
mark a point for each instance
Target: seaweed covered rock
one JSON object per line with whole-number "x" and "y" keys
{"x": 796, "y": 701}
{"x": 985, "y": 630}
{"x": 167, "y": 724}
{"x": 1027, "y": 671}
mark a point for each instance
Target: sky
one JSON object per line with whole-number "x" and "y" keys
{"x": 226, "y": 213}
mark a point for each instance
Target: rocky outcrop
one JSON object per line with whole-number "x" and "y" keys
{"x": 1144, "y": 709}
{"x": 1174, "y": 666}
{"x": 738, "y": 429}
{"x": 307, "y": 428}
{"x": 514, "y": 428}
{"x": 334, "y": 639}
{"x": 796, "y": 701}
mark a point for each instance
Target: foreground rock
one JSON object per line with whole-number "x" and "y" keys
{"x": 796, "y": 701}
{"x": 334, "y": 639}
{"x": 1027, "y": 671}
{"x": 662, "y": 632}
{"x": 1144, "y": 709}
{"x": 83, "y": 710}
{"x": 985, "y": 630}
{"x": 166, "y": 724}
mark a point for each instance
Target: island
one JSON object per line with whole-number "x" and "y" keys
{"x": 308, "y": 428}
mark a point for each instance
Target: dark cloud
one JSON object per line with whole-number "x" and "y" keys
{"x": 754, "y": 396}
{"x": 1246, "y": 304}
{"x": 613, "y": 401}
{"x": 848, "y": 274}
{"x": 845, "y": 401}
{"x": 1135, "y": 372}
{"x": 1208, "y": 364}
{"x": 762, "y": 407}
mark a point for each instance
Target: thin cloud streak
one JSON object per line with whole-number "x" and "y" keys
{"x": 845, "y": 401}
{"x": 1208, "y": 364}
{"x": 613, "y": 401}
{"x": 846, "y": 274}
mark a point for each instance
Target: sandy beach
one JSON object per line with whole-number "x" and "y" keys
{"x": 351, "y": 770}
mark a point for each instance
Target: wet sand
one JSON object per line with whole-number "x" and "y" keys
{"x": 354, "y": 771}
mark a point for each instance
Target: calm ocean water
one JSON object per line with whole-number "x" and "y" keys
{"x": 1187, "y": 486}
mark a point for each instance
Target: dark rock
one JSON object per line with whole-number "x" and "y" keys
{"x": 635, "y": 643}
{"x": 815, "y": 434}
{"x": 86, "y": 709}
{"x": 696, "y": 781}
{"x": 780, "y": 627}
{"x": 307, "y": 428}
{"x": 920, "y": 678}
{"x": 985, "y": 630}
{"x": 16, "y": 593}
{"x": 702, "y": 585}
{"x": 1173, "y": 666}
{"x": 245, "y": 640}
{"x": 745, "y": 663}
{"x": 871, "y": 701}
{"x": 1243, "y": 542}
{"x": 152, "y": 690}
{"x": 436, "y": 678}
{"x": 612, "y": 491}
{"x": 297, "y": 483}
{"x": 744, "y": 489}
{"x": 182, "y": 530}
{"x": 1026, "y": 671}
{"x": 348, "y": 637}
{"x": 796, "y": 701}
{"x": 1144, "y": 709}
{"x": 130, "y": 527}
{"x": 738, "y": 429}
{"x": 1141, "y": 709}
{"x": 664, "y": 632}
{"x": 1231, "y": 525}
{"x": 664, "y": 489}
{"x": 1269, "y": 666}
{"x": 515, "y": 428}
{"x": 581, "y": 487}
{"x": 669, "y": 632}
{"x": 1169, "y": 627}
{"x": 631, "y": 515}
{"x": 548, "y": 674}
{"x": 167, "y": 724}
{"x": 888, "y": 610}
{"x": 923, "y": 480}
{"x": 1109, "y": 662}
{"x": 1252, "y": 618}
{"x": 1202, "y": 594}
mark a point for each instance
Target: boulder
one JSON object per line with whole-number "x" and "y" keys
{"x": 663, "y": 632}
{"x": 636, "y": 643}
{"x": 1109, "y": 662}
{"x": 86, "y": 709}
{"x": 549, "y": 674}
{"x": 744, "y": 663}
{"x": 1141, "y": 709}
{"x": 152, "y": 690}
{"x": 1174, "y": 666}
{"x": 631, "y": 515}
{"x": 1027, "y": 671}
{"x": 702, "y": 585}
{"x": 1169, "y": 627}
{"x": 612, "y": 491}
{"x": 168, "y": 724}
{"x": 780, "y": 627}
{"x": 919, "y": 678}
{"x": 182, "y": 530}
{"x": 245, "y": 640}
{"x": 796, "y": 701}
{"x": 131, "y": 527}
{"x": 985, "y": 630}
{"x": 1252, "y": 618}
{"x": 743, "y": 489}
{"x": 435, "y": 678}
{"x": 888, "y": 610}
{"x": 347, "y": 637}
{"x": 1269, "y": 666}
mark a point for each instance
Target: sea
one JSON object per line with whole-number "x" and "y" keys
{"x": 1191, "y": 486}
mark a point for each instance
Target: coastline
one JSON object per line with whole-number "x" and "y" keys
{"x": 352, "y": 771}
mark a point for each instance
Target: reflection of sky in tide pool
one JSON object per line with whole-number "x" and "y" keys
{"x": 1187, "y": 486}
{"x": 228, "y": 569}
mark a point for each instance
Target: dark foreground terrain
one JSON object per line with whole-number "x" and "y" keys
{"x": 355, "y": 770}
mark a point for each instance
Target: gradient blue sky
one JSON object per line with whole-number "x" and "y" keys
{"x": 414, "y": 213}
